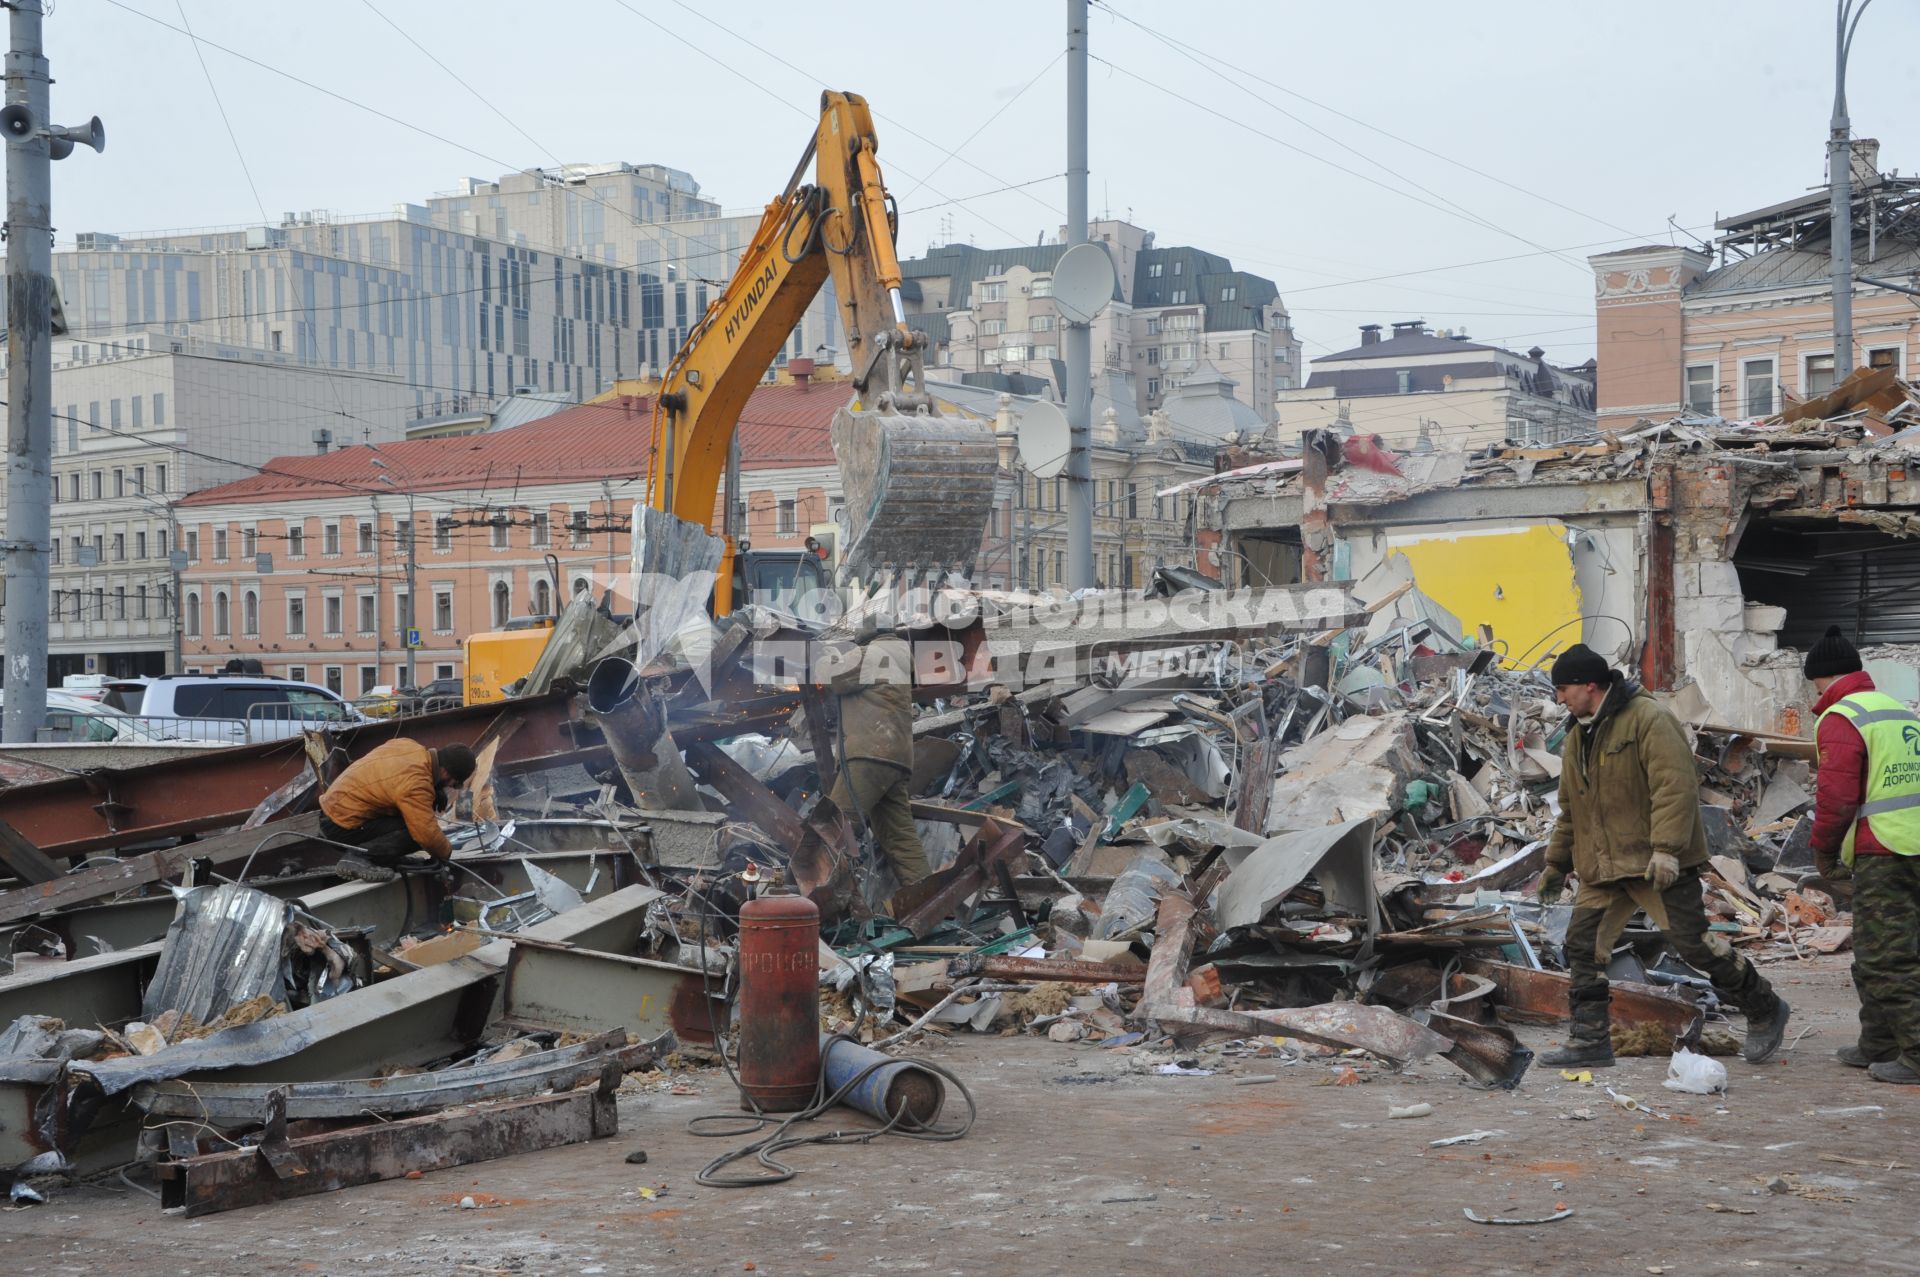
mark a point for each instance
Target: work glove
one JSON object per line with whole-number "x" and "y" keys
{"x": 1663, "y": 869}
{"x": 1552, "y": 883}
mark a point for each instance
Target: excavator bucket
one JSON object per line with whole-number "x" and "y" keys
{"x": 918, "y": 488}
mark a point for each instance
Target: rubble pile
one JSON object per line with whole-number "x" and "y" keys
{"x": 1302, "y": 822}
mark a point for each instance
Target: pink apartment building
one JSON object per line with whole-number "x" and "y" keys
{"x": 1733, "y": 330}
{"x": 304, "y": 565}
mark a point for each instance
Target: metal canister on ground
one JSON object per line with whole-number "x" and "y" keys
{"x": 898, "y": 1088}
{"x": 779, "y": 1003}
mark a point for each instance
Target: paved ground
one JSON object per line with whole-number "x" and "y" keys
{"x": 1080, "y": 1165}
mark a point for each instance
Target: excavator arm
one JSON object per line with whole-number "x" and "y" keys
{"x": 918, "y": 485}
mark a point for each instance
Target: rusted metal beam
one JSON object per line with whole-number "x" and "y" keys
{"x": 1172, "y": 948}
{"x": 751, "y": 800}
{"x": 26, "y": 861}
{"x": 1526, "y": 996}
{"x": 925, "y": 904}
{"x": 217, "y": 788}
{"x": 581, "y": 990}
{"x": 281, "y": 1167}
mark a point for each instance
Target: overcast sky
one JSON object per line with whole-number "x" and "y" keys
{"x": 1265, "y": 139}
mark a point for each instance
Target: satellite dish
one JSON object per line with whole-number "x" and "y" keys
{"x": 1082, "y": 283}
{"x": 1044, "y": 438}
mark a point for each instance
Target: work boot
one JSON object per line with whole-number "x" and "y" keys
{"x": 1580, "y": 1054}
{"x": 361, "y": 869}
{"x": 1853, "y": 1057}
{"x": 1763, "y": 1036}
{"x": 1894, "y": 1071}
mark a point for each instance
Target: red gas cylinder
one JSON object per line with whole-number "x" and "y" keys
{"x": 779, "y": 1002}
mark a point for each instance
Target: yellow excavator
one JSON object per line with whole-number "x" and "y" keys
{"x": 918, "y": 485}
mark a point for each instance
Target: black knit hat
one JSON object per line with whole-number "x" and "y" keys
{"x": 1832, "y": 655}
{"x": 1581, "y": 664}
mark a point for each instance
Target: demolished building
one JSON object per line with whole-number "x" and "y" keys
{"x": 1697, "y": 551}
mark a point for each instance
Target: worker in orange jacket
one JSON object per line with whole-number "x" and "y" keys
{"x": 386, "y": 804}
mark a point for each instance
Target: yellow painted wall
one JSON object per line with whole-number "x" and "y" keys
{"x": 1520, "y": 581}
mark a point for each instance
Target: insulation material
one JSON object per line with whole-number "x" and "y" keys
{"x": 1517, "y": 579}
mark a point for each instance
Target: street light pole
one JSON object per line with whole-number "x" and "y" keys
{"x": 1840, "y": 187}
{"x": 407, "y": 622}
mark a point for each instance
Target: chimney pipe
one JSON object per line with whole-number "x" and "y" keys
{"x": 1369, "y": 334}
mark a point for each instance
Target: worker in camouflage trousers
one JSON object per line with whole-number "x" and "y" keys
{"x": 1630, "y": 829}
{"x": 1866, "y": 818}
{"x": 874, "y": 685}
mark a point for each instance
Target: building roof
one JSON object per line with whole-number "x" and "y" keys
{"x": 1798, "y": 267}
{"x": 1402, "y": 345}
{"x": 782, "y": 426}
{"x": 1203, "y": 404}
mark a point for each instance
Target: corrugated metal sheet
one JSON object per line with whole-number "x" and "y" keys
{"x": 222, "y": 949}
{"x": 1873, "y": 597}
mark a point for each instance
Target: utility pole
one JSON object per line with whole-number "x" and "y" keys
{"x": 31, "y": 145}
{"x": 1840, "y": 187}
{"x": 1077, "y": 344}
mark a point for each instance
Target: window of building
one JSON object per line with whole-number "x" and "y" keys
{"x": 297, "y": 673}
{"x": 542, "y": 599}
{"x": 1043, "y": 286}
{"x": 219, "y": 545}
{"x": 139, "y": 596}
{"x": 443, "y": 611}
{"x": 540, "y": 535}
{"x": 119, "y": 547}
{"x": 1178, "y": 296}
{"x": 363, "y": 613}
{"x": 220, "y": 619}
{"x": 499, "y": 529}
{"x": 442, "y": 536}
{"x": 1153, "y": 356}
{"x": 99, "y": 547}
{"x": 296, "y": 543}
{"x": 1702, "y": 388}
{"x": 296, "y": 616}
{"x": 332, "y": 678}
{"x": 193, "y": 545}
{"x": 1229, "y": 293}
{"x": 53, "y": 547}
{"x": 402, "y": 613}
{"x": 369, "y": 679}
{"x": 990, "y": 356}
{"x": 1178, "y": 267}
{"x": 249, "y": 543}
{"x": 1756, "y": 377}
{"x": 330, "y": 540}
{"x": 502, "y": 604}
{"x": 139, "y": 545}
{"x": 119, "y": 478}
{"x": 1154, "y": 270}
{"x": 1153, "y": 387}
{"x": 1013, "y": 354}
{"x": 1153, "y": 328}
{"x": 99, "y": 486}
{"x": 330, "y": 614}
{"x": 119, "y": 602}
{"x": 192, "y": 618}
{"x": 365, "y": 541}
{"x": 159, "y": 472}
{"x": 1133, "y": 500}
{"x": 992, "y": 327}
{"x": 1040, "y": 324}
{"x": 1046, "y": 352}
{"x": 160, "y": 539}
{"x": 993, "y": 292}
{"x": 139, "y": 475}
{"x": 443, "y": 671}
{"x": 1817, "y": 378}
{"x": 578, "y": 526}
{"x": 250, "y": 614}
{"x": 784, "y": 520}
{"x": 1885, "y": 357}
{"x": 73, "y": 486}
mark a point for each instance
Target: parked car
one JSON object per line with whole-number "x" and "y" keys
{"x": 72, "y": 718}
{"x": 230, "y": 707}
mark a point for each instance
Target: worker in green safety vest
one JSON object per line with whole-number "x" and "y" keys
{"x": 1866, "y": 818}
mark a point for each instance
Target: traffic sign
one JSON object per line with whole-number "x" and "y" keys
{"x": 413, "y": 638}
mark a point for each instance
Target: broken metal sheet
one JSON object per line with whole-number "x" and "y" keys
{"x": 420, "y": 1016}
{"x": 1343, "y": 1025}
{"x": 1123, "y": 722}
{"x": 578, "y": 989}
{"x": 230, "y": 1104}
{"x": 1357, "y": 769}
{"x": 1339, "y": 857}
{"x": 222, "y": 949}
{"x": 282, "y": 1168}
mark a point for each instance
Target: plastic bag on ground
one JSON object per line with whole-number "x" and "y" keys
{"x": 1695, "y": 1073}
